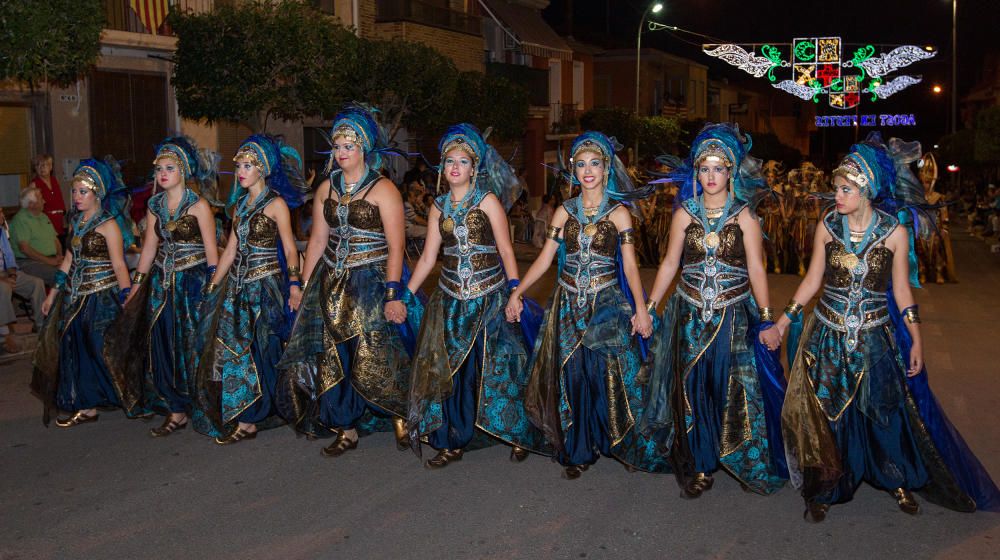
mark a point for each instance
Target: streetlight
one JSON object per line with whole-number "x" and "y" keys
{"x": 954, "y": 66}
{"x": 655, "y": 8}
{"x": 936, "y": 89}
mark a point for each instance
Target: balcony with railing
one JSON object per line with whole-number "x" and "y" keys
{"x": 424, "y": 13}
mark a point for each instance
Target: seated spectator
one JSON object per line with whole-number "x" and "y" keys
{"x": 13, "y": 282}
{"x": 416, "y": 226}
{"x": 34, "y": 239}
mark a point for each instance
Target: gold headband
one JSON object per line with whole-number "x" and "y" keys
{"x": 87, "y": 181}
{"x": 714, "y": 151}
{"x": 172, "y": 156}
{"x": 851, "y": 170}
{"x": 588, "y": 146}
{"x": 461, "y": 144}
{"x": 248, "y": 153}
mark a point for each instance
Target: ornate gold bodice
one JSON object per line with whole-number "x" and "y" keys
{"x": 361, "y": 214}
{"x": 186, "y": 230}
{"x": 730, "y": 250}
{"x": 263, "y": 231}
{"x": 605, "y": 241}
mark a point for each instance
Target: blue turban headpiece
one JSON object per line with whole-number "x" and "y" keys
{"x": 279, "y": 164}
{"x": 725, "y": 142}
{"x": 200, "y": 167}
{"x": 492, "y": 172}
{"x": 105, "y": 179}
{"x": 357, "y": 122}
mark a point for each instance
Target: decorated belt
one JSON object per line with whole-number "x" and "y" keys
{"x": 712, "y": 284}
{"x": 352, "y": 254}
{"x": 93, "y": 276}
{"x": 260, "y": 263}
{"x": 851, "y": 313}
{"x": 182, "y": 257}
{"x": 465, "y": 284}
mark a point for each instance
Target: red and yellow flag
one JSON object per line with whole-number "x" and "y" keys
{"x": 151, "y": 13}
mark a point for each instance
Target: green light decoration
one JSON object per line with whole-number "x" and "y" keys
{"x": 817, "y": 86}
{"x": 837, "y": 85}
{"x": 774, "y": 55}
{"x": 872, "y": 86}
{"x": 805, "y": 50}
{"x": 861, "y": 55}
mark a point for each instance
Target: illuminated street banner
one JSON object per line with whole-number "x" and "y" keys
{"x": 818, "y": 68}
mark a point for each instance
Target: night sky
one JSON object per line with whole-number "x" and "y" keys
{"x": 613, "y": 24}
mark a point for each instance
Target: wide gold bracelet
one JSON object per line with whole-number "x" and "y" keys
{"x": 294, "y": 271}
{"x": 627, "y": 237}
{"x": 766, "y": 314}
{"x": 138, "y": 277}
{"x": 793, "y": 308}
{"x": 912, "y": 315}
{"x": 651, "y": 305}
{"x": 553, "y": 233}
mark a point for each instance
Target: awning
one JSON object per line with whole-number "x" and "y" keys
{"x": 526, "y": 25}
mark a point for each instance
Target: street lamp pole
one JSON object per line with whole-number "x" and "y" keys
{"x": 954, "y": 66}
{"x": 655, "y": 7}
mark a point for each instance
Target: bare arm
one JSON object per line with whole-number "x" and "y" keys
{"x": 113, "y": 236}
{"x": 814, "y": 276}
{"x": 319, "y": 234}
{"x": 277, "y": 210}
{"x": 390, "y": 209}
{"x": 150, "y": 243}
{"x": 226, "y": 260}
{"x": 753, "y": 246}
{"x": 432, "y": 245}
{"x": 642, "y": 323}
{"x": 899, "y": 243}
{"x": 206, "y": 225}
{"x": 672, "y": 261}
{"x": 501, "y": 233}
{"x": 545, "y": 256}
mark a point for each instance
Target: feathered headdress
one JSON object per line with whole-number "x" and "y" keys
{"x": 200, "y": 167}
{"x": 492, "y": 172}
{"x": 278, "y": 163}
{"x": 722, "y": 142}
{"x": 105, "y": 179}
{"x": 357, "y": 122}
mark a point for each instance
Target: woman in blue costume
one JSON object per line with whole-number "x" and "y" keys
{"x": 153, "y": 348}
{"x": 583, "y": 391}
{"x": 248, "y": 321}
{"x": 858, "y": 406}
{"x": 348, "y": 354}
{"x": 470, "y": 370}
{"x": 70, "y": 373}
{"x": 711, "y": 400}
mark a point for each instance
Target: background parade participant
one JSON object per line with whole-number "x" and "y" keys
{"x": 248, "y": 320}
{"x": 707, "y": 375}
{"x": 70, "y": 372}
{"x": 471, "y": 366}
{"x": 583, "y": 391}
{"x": 153, "y": 348}
{"x": 350, "y": 349}
{"x": 858, "y": 406}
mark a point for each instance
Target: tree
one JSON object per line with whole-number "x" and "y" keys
{"x": 257, "y": 60}
{"x": 269, "y": 58}
{"x": 51, "y": 42}
{"x": 656, "y": 135}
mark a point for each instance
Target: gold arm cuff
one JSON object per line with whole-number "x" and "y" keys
{"x": 793, "y": 308}
{"x": 294, "y": 271}
{"x": 651, "y": 305}
{"x": 553, "y": 233}
{"x": 210, "y": 287}
{"x": 137, "y": 278}
{"x": 912, "y": 317}
{"x": 766, "y": 314}
{"x": 627, "y": 237}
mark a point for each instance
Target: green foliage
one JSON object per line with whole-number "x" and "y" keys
{"x": 258, "y": 60}
{"x": 987, "y": 139}
{"x": 49, "y": 41}
{"x": 286, "y": 60}
{"x": 656, "y": 135}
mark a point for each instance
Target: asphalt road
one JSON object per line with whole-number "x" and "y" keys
{"x": 108, "y": 490}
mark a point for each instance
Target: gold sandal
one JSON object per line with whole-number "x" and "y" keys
{"x": 518, "y": 454}
{"x": 697, "y": 485}
{"x": 443, "y": 458}
{"x": 77, "y": 419}
{"x": 169, "y": 426}
{"x": 237, "y": 436}
{"x": 339, "y": 446}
